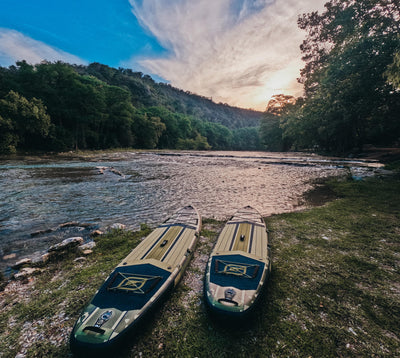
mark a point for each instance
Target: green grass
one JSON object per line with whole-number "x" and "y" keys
{"x": 334, "y": 289}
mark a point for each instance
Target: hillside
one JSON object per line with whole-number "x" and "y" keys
{"x": 58, "y": 107}
{"x": 146, "y": 92}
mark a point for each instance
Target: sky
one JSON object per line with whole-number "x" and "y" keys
{"x": 239, "y": 52}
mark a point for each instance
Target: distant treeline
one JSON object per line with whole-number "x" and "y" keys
{"x": 351, "y": 80}
{"x": 58, "y": 107}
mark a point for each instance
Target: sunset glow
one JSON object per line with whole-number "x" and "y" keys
{"x": 239, "y": 52}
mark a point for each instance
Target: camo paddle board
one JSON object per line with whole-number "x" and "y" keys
{"x": 138, "y": 283}
{"x": 239, "y": 264}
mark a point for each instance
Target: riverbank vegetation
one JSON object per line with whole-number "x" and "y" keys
{"x": 351, "y": 81}
{"x": 334, "y": 289}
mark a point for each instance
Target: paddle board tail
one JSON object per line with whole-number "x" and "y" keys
{"x": 239, "y": 265}
{"x": 137, "y": 285}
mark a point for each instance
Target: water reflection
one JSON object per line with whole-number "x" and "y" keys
{"x": 42, "y": 193}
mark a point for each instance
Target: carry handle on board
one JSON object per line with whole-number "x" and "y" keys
{"x": 94, "y": 329}
{"x": 225, "y": 300}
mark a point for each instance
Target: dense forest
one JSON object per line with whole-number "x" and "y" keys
{"x": 58, "y": 107}
{"x": 351, "y": 81}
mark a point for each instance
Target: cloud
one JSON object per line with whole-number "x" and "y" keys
{"x": 237, "y": 51}
{"x": 14, "y": 46}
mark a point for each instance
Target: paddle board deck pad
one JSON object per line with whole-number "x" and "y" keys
{"x": 239, "y": 265}
{"x": 140, "y": 281}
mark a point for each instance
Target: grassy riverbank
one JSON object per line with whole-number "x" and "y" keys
{"x": 334, "y": 289}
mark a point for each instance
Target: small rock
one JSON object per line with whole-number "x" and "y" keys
{"x": 69, "y": 224}
{"x": 87, "y": 252}
{"x": 115, "y": 171}
{"x": 21, "y": 263}
{"x": 26, "y": 272}
{"x": 41, "y": 259}
{"x": 118, "y": 226}
{"x": 96, "y": 233}
{"x": 67, "y": 243}
{"x": 101, "y": 169}
{"x": 80, "y": 259}
{"x": 88, "y": 246}
{"x": 45, "y": 257}
{"x": 41, "y": 232}
{"x": 85, "y": 225}
{"x": 9, "y": 257}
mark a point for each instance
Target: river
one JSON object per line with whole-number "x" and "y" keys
{"x": 134, "y": 187}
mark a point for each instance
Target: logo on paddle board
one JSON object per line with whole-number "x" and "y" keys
{"x": 236, "y": 269}
{"x": 133, "y": 283}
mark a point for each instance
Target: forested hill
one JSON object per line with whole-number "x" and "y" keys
{"x": 146, "y": 92}
{"x": 58, "y": 107}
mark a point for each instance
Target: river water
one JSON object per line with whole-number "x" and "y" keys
{"x": 42, "y": 193}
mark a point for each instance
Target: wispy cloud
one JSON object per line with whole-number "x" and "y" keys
{"x": 14, "y": 46}
{"x": 236, "y": 51}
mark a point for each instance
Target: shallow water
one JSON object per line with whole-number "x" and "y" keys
{"x": 146, "y": 187}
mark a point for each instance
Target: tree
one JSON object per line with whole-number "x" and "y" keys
{"x": 197, "y": 143}
{"x": 8, "y": 138}
{"x": 117, "y": 129}
{"x": 277, "y": 104}
{"x": 24, "y": 124}
{"x": 148, "y": 130}
{"x": 393, "y": 71}
{"x": 218, "y": 136}
{"x": 246, "y": 139}
{"x": 347, "y": 51}
{"x": 344, "y": 22}
{"x": 271, "y": 132}
{"x": 172, "y": 132}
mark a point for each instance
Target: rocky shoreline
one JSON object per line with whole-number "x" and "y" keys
{"x": 22, "y": 269}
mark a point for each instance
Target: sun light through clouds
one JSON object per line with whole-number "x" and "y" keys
{"x": 238, "y": 52}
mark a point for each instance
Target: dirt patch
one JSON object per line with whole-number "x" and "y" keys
{"x": 319, "y": 195}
